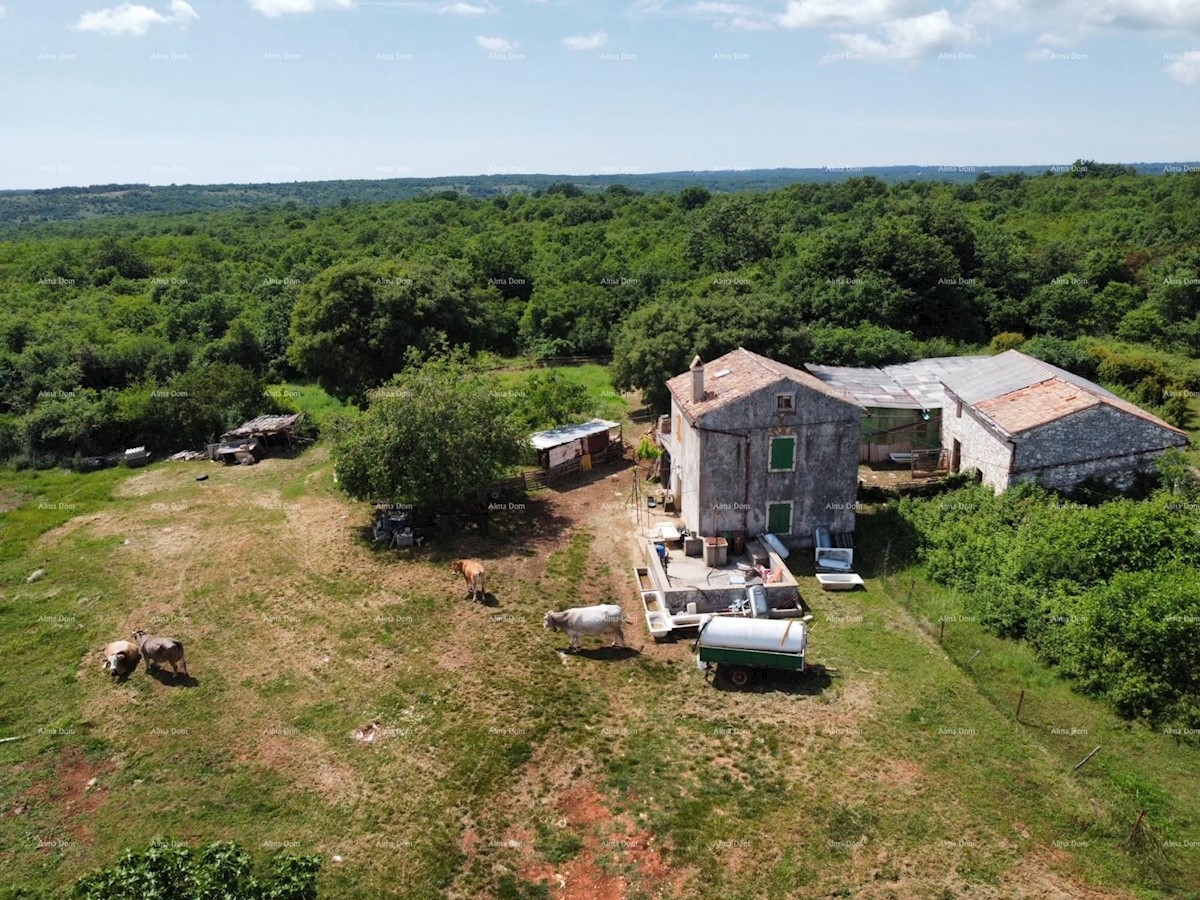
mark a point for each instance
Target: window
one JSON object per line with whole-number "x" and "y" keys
{"x": 958, "y": 410}
{"x": 783, "y": 454}
{"x": 785, "y": 402}
{"x": 779, "y": 517}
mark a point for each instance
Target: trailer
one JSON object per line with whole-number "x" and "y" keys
{"x": 738, "y": 648}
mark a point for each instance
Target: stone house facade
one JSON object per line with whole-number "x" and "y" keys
{"x": 752, "y": 445}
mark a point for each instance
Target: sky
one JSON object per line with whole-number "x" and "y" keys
{"x": 218, "y": 91}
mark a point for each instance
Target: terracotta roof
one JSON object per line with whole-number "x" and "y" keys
{"x": 739, "y": 374}
{"x": 1038, "y": 404}
{"x": 1026, "y": 392}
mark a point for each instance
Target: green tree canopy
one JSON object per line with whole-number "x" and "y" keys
{"x": 435, "y": 435}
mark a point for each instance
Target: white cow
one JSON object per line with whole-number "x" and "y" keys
{"x": 594, "y": 620}
{"x": 120, "y": 657}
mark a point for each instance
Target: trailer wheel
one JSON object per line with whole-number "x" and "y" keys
{"x": 739, "y": 676}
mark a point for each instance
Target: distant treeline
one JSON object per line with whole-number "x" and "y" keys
{"x": 25, "y": 207}
{"x": 162, "y": 329}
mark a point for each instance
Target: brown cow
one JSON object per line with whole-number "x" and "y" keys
{"x": 472, "y": 573}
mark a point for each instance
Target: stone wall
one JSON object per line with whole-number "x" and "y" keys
{"x": 982, "y": 448}
{"x": 1100, "y": 442}
{"x": 822, "y": 488}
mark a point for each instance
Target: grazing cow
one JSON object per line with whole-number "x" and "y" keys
{"x": 158, "y": 650}
{"x": 120, "y": 658}
{"x": 472, "y": 573}
{"x": 581, "y": 620}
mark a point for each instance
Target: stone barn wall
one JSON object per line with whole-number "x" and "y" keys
{"x": 1099, "y": 442}
{"x": 982, "y": 448}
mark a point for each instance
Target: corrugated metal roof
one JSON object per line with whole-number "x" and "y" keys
{"x": 1011, "y": 371}
{"x": 747, "y": 372}
{"x": 263, "y": 425}
{"x": 923, "y": 378}
{"x": 564, "y": 434}
{"x": 914, "y": 385}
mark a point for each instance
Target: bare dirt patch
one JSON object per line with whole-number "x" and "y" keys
{"x": 11, "y": 499}
{"x": 74, "y": 791}
{"x": 615, "y": 852}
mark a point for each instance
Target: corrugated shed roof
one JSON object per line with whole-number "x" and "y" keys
{"x": 746, "y": 373}
{"x": 1011, "y": 371}
{"x": 263, "y": 425}
{"x": 1009, "y": 376}
{"x": 870, "y": 387}
{"x": 564, "y": 434}
{"x": 922, "y": 379}
{"x": 914, "y": 385}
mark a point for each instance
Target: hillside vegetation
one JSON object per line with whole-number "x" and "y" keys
{"x": 115, "y": 329}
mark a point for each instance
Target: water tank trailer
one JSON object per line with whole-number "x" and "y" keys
{"x": 738, "y": 646}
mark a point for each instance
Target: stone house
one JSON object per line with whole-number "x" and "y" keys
{"x": 1013, "y": 418}
{"x": 752, "y": 445}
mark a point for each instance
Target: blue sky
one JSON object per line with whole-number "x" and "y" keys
{"x": 203, "y": 91}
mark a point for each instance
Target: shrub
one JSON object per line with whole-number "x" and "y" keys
{"x": 1006, "y": 340}
{"x": 1109, "y": 593}
{"x": 169, "y": 870}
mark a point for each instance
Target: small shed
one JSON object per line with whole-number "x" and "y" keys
{"x": 252, "y": 440}
{"x": 562, "y": 445}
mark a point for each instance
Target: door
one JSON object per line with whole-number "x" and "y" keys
{"x": 779, "y": 518}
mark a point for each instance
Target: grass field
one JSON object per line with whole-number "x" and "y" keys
{"x": 604, "y": 401}
{"x": 507, "y": 769}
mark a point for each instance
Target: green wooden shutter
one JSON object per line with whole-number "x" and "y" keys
{"x": 779, "y": 518}
{"x": 783, "y": 452}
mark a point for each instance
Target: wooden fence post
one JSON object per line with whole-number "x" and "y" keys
{"x": 1020, "y": 703}
{"x": 1136, "y": 825}
{"x": 1086, "y": 758}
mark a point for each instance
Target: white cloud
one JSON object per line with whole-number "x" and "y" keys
{"x": 135, "y": 19}
{"x": 1148, "y": 14}
{"x": 912, "y": 38}
{"x": 274, "y": 8}
{"x": 586, "y": 41}
{"x": 740, "y": 16}
{"x": 467, "y": 9}
{"x": 841, "y": 13}
{"x": 1186, "y": 68}
{"x": 495, "y": 44}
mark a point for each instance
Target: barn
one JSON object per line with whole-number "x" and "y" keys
{"x": 1012, "y": 418}
{"x": 752, "y": 445}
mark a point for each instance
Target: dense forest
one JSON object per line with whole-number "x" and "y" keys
{"x": 164, "y": 329}
{"x": 20, "y": 208}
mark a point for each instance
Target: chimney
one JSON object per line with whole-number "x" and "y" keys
{"x": 697, "y": 368}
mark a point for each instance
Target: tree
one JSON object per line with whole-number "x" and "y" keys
{"x": 435, "y": 435}
{"x": 693, "y": 197}
{"x": 352, "y": 325}
{"x": 548, "y": 399}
